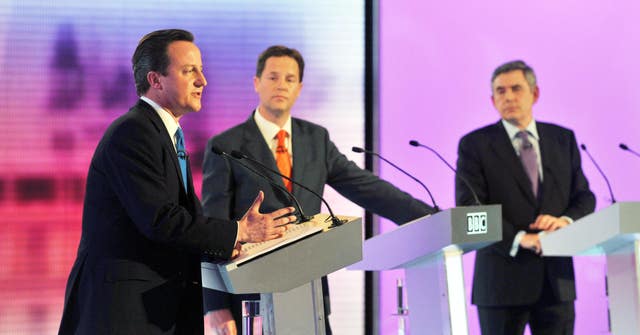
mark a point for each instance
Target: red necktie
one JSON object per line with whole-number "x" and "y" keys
{"x": 283, "y": 159}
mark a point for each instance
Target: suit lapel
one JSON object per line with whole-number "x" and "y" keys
{"x": 549, "y": 157}
{"x": 501, "y": 144}
{"x": 254, "y": 146}
{"x": 300, "y": 154}
{"x": 167, "y": 143}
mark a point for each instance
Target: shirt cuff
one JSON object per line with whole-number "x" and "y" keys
{"x": 570, "y": 220}
{"x": 237, "y": 234}
{"x": 516, "y": 243}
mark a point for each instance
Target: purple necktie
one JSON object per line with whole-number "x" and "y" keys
{"x": 529, "y": 160}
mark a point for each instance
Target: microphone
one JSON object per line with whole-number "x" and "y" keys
{"x": 361, "y": 150}
{"x": 584, "y": 148}
{"x": 455, "y": 172}
{"x": 239, "y": 155}
{"x": 626, "y": 148}
{"x": 303, "y": 218}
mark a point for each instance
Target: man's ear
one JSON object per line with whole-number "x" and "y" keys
{"x": 153, "y": 78}
{"x": 256, "y": 82}
{"x": 536, "y": 94}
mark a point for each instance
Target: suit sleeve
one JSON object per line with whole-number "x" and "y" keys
{"x": 141, "y": 175}
{"x": 217, "y": 199}
{"x": 469, "y": 166}
{"x": 582, "y": 201}
{"x": 370, "y": 192}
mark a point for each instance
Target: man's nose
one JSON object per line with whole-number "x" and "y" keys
{"x": 509, "y": 95}
{"x": 201, "y": 80}
{"x": 282, "y": 85}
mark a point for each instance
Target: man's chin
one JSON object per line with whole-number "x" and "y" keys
{"x": 195, "y": 108}
{"x": 278, "y": 111}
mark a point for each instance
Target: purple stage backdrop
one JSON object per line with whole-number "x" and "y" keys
{"x": 436, "y": 60}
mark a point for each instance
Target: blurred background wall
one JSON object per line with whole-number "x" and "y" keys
{"x": 65, "y": 74}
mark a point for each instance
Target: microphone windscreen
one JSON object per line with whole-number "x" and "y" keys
{"x": 624, "y": 146}
{"x": 357, "y": 149}
{"x": 217, "y": 150}
{"x": 414, "y": 143}
{"x": 583, "y": 147}
{"x": 237, "y": 154}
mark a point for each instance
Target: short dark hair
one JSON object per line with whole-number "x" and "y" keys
{"x": 151, "y": 55}
{"x": 279, "y": 51}
{"x": 515, "y": 65}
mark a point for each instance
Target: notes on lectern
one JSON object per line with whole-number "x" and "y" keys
{"x": 294, "y": 233}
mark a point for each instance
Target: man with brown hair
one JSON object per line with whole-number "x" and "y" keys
{"x": 297, "y": 148}
{"x": 143, "y": 232}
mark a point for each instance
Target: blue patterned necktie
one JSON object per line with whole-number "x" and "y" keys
{"x": 182, "y": 156}
{"x": 529, "y": 160}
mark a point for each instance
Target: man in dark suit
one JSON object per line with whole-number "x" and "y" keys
{"x": 143, "y": 232}
{"x": 309, "y": 155}
{"x": 533, "y": 170}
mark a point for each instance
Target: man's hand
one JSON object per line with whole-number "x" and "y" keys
{"x": 548, "y": 223}
{"x": 236, "y": 250}
{"x": 531, "y": 242}
{"x": 257, "y": 227}
{"x": 220, "y": 322}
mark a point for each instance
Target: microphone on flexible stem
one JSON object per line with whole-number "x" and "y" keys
{"x": 361, "y": 150}
{"x": 584, "y": 148}
{"x": 336, "y": 222}
{"x": 626, "y": 148}
{"x": 455, "y": 172}
{"x": 303, "y": 218}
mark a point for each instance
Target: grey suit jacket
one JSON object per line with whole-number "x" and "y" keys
{"x": 138, "y": 265}
{"x": 487, "y": 159}
{"x": 228, "y": 188}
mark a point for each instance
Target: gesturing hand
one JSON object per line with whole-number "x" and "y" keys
{"x": 257, "y": 227}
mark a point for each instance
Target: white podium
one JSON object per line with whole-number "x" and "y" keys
{"x": 287, "y": 271}
{"x": 430, "y": 250}
{"x": 615, "y": 232}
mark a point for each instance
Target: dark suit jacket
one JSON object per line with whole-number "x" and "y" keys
{"x": 138, "y": 265}
{"x": 488, "y": 160}
{"x": 228, "y": 189}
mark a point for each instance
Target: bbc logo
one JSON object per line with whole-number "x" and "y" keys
{"x": 476, "y": 223}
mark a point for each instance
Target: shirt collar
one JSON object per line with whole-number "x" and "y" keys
{"x": 268, "y": 128}
{"x": 512, "y": 130}
{"x": 167, "y": 119}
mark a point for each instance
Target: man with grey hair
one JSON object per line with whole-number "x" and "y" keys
{"x": 533, "y": 170}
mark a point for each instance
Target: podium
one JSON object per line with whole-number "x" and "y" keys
{"x": 430, "y": 250}
{"x": 615, "y": 232}
{"x": 287, "y": 271}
